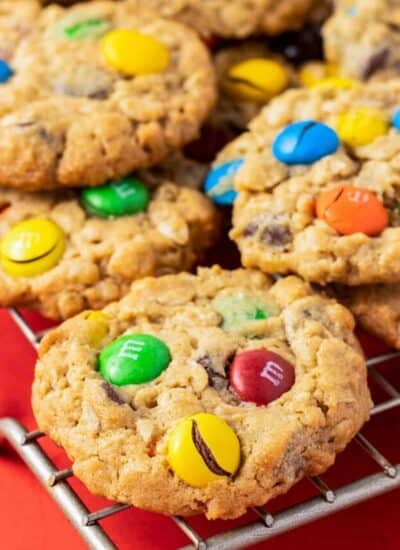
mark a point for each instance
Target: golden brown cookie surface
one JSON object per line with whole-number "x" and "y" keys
{"x": 102, "y": 251}
{"x": 78, "y": 111}
{"x": 325, "y": 207}
{"x": 138, "y": 442}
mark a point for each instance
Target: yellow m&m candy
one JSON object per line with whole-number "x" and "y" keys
{"x": 256, "y": 80}
{"x": 337, "y": 83}
{"x": 316, "y": 71}
{"x": 32, "y": 247}
{"x": 202, "y": 448}
{"x": 99, "y": 326}
{"x": 133, "y": 53}
{"x": 362, "y": 125}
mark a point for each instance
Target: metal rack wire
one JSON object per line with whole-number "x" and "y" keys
{"x": 267, "y": 526}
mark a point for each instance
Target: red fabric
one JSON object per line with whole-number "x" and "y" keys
{"x": 29, "y": 519}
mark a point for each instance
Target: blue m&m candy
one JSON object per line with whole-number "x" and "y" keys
{"x": 305, "y": 142}
{"x": 219, "y": 183}
{"x": 396, "y": 120}
{"x": 5, "y": 71}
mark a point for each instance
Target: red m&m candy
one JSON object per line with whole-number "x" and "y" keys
{"x": 260, "y": 376}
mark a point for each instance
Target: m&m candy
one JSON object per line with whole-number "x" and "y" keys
{"x": 256, "y": 79}
{"x": 219, "y": 184}
{"x": 202, "y": 448}
{"x": 134, "y": 359}
{"x": 337, "y": 83}
{"x": 6, "y": 71}
{"x": 260, "y": 376}
{"x": 316, "y": 71}
{"x": 32, "y": 247}
{"x": 305, "y": 142}
{"x": 90, "y": 28}
{"x": 133, "y": 53}
{"x": 98, "y": 322}
{"x": 362, "y": 125}
{"x": 237, "y": 310}
{"x": 120, "y": 198}
{"x": 396, "y": 119}
{"x": 349, "y": 209}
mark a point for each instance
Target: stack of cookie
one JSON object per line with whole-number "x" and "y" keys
{"x": 85, "y": 105}
{"x": 176, "y": 392}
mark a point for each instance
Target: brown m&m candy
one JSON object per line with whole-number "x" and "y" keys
{"x": 260, "y": 376}
{"x": 349, "y": 209}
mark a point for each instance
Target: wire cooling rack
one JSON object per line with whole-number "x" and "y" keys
{"x": 267, "y": 526}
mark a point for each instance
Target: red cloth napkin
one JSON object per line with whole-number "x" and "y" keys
{"x": 30, "y": 520}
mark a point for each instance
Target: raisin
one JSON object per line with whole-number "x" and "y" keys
{"x": 277, "y": 235}
{"x": 376, "y": 62}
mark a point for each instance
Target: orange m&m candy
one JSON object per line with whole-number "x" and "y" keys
{"x": 349, "y": 209}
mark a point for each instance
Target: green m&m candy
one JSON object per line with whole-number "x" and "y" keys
{"x": 119, "y": 198}
{"x": 74, "y": 29}
{"x": 134, "y": 359}
{"x": 237, "y": 310}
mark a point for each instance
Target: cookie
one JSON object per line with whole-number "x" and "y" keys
{"x": 207, "y": 393}
{"x": 318, "y": 185}
{"x": 89, "y": 101}
{"x": 63, "y": 253}
{"x": 16, "y": 22}
{"x": 236, "y": 18}
{"x": 376, "y": 308}
{"x": 362, "y": 38}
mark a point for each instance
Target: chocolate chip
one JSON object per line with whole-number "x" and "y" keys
{"x": 216, "y": 380}
{"x": 3, "y": 207}
{"x": 206, "y": 453}
{"x": 205, "y": 361}
{"x": 26, "y": 124}
{"x": 324, "y": 408}
{"x": 45, "y": 135}
{"x": 250, "y": 229}
{"x": 112, "y": 394}
{"x": 277, "y": 235}
{"x": 99, "y": 94}
{"x": 376, "y": 62}
{"x": 392, "y": 26}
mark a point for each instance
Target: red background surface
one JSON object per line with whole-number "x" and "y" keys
{"x": 30, "y": 520}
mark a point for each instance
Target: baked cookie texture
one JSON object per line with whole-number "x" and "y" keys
{"x": 67, "y": 118}
{"x": 274, "y": 221}
{"x": 103, "y": 256}
{"x": 117, "y": 437}
{"x": 362, "y": 38}
{"x": 376, "y": 308}
{"x": 236, "y": 18}
{"x": 17, "y": 19}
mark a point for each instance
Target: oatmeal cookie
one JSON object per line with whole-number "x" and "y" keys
{"x": 363, "y": 38}
{"x": 207, "y": 393}
{"x": 85, "y": 100}
{"x": 63, "y": 253}
{"x": 376, "y": 308}
{"x": 236, "y": 18}
{"x": 17, "y": 19}
{"x": 318, "y": 185}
